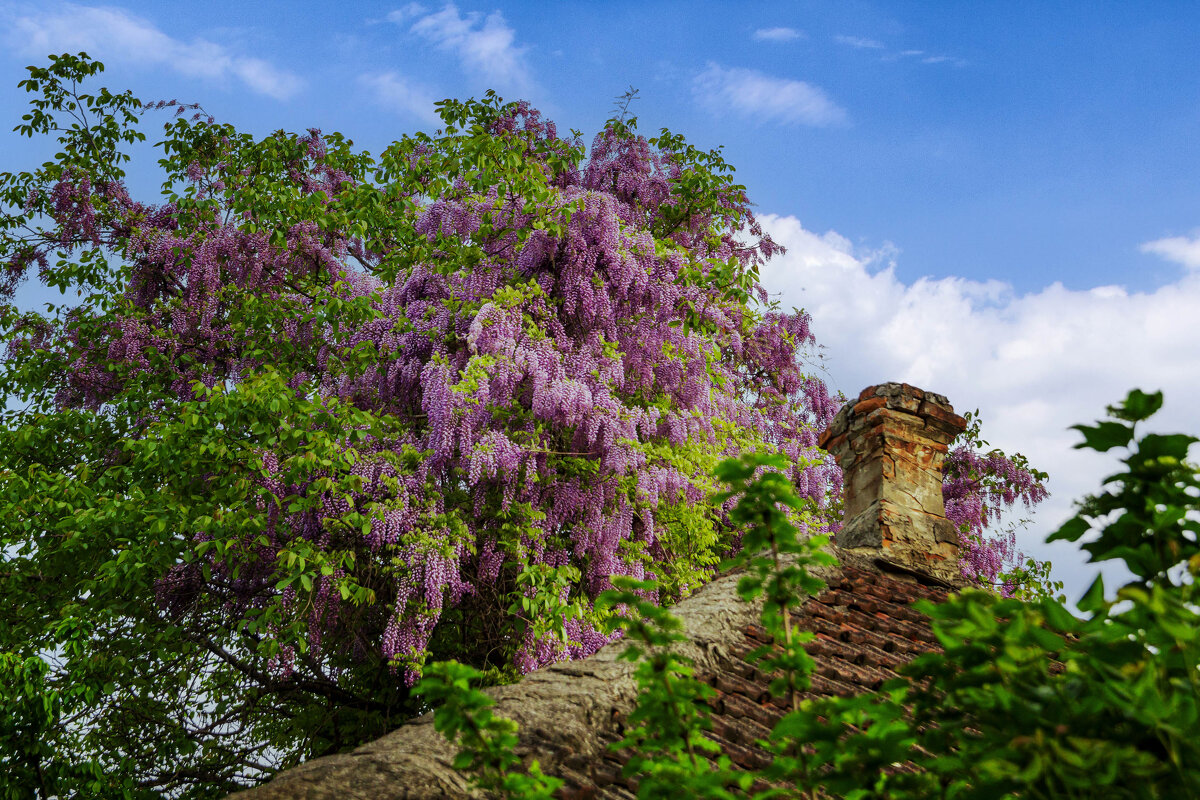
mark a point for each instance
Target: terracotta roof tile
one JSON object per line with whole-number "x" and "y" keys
{"x": 864, "y": 630}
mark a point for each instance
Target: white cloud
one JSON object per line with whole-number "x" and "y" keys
{"x": 264, "y": 78}
{"x": 407, "y": 12}
{"x": 958, "y": 62}
{"x": 753, "y": 94}
{"x": 402, "y": 95}
{"x": 1179, "y": 249}
{"x": 777, "y": 34}
{"x": 857, "y": 41}
{"x": 484, "y": 45}
{"x": 920, "y": 55}
{"x": 114, "y": 35}
{"x": 1034, "y": 364}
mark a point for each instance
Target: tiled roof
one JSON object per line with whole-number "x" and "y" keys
{"x": 864, "y": 627}
{"x": 569, "y": 713}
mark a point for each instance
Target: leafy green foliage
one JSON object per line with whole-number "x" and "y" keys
{"x": 776, "y": 560}
{"x": 29, "y": 714}
{"x": 665, "y": 733}
{"x": 486, "y": 741}
{"x": 1153, "y": 531}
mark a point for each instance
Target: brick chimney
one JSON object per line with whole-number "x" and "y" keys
{"x": 890, "y": 444}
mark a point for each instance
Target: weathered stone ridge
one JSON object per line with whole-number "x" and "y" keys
{"x": 890, "y": 442}
{"x": 566, "y": 714}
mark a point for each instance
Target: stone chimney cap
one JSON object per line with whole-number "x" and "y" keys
{"x": 941, "y": 423}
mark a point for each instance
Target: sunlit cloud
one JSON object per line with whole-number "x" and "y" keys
{"x": 116, "y": 36}
{"x": 1179, "y": 249}
{"x": 484, "y": 45}
{"x": 753, "y": 94}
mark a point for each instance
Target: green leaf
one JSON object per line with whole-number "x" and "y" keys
{"x": 1071, "y": 530}
{"x": 1104, "y": 436}
{"x": 1058, "y": 617}
{"x": 1093, "y": 599}
{"x": 1137, "y": 406}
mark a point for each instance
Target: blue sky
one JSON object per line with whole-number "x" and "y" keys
{"x": 997, "y": 201}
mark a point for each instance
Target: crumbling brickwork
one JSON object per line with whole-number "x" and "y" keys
{"x": 890, "y": 443}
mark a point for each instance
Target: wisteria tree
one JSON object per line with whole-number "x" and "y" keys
{"x": 319, "y": 416}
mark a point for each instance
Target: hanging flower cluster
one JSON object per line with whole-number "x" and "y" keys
{"x": 979, "y": 488}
